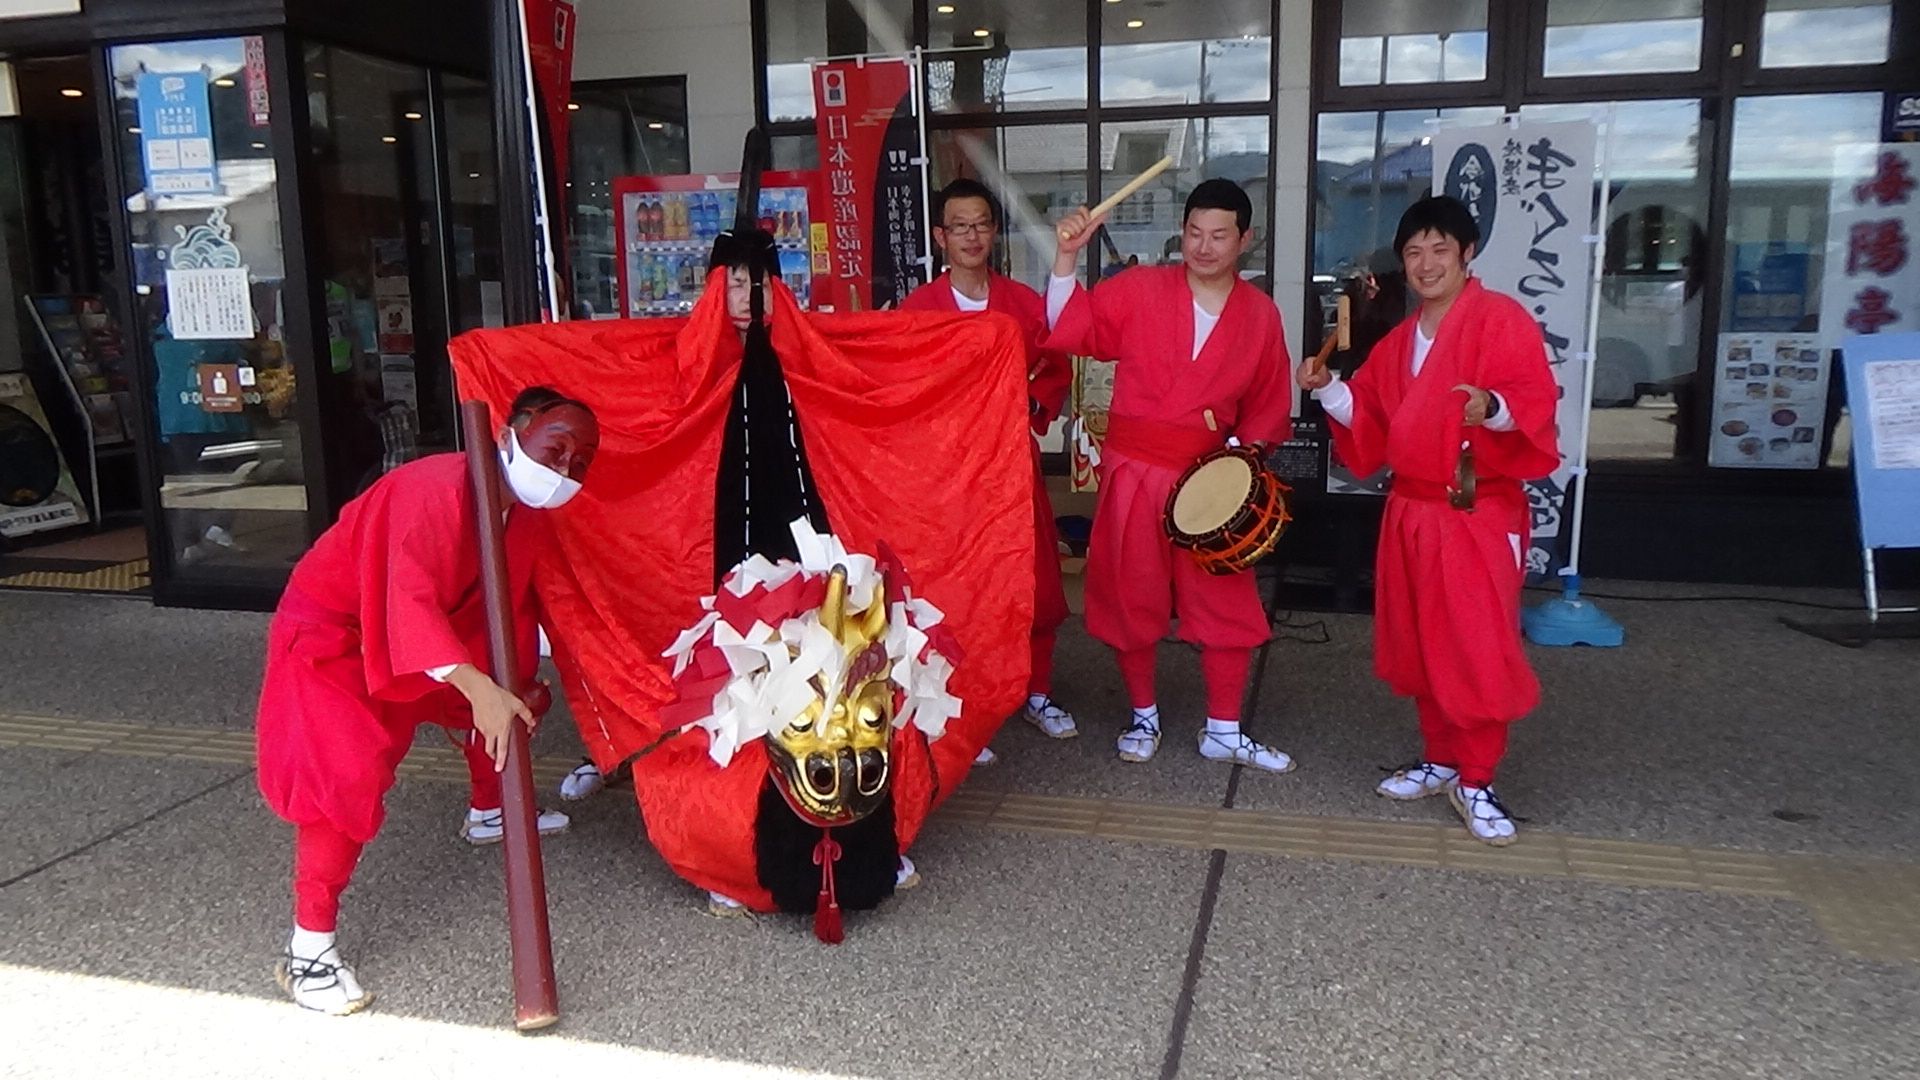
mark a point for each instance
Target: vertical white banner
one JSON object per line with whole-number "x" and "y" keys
{"x": 1531, "y": 187}
{"x": 1871, "y": 282}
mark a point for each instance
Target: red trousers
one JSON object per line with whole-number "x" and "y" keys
{"x": 324, "y": 857}
{"x": 1474, "y": 748}
{"x": 1225, "y": 671}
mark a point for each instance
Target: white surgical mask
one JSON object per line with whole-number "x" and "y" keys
{"x": 534, "y": 484}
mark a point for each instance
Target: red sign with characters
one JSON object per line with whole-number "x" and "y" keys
{"x": 871, "y": 169}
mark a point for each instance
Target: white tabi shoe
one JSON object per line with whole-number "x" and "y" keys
{"x": 1141, "y": 739}
{"x": 986, "y": 756}
{"x": 1417, "y": 781}
{"x": 583, "y": 782}
{"x": 489, "y": 826}
{"x": 906, "y": 877}
{"x": 1052, "y": 720}
{"x": 1487, "y": 818}
{"x": 1241, "y": 749}
{"x": 324, "y": 983}
{"x": 722, "y": 906}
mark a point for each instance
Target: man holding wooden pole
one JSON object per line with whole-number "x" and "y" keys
{"x": 1201, "y": 359}
{"x": 384, "y": 626}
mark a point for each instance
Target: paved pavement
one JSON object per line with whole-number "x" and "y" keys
{"x": 1715, "y": 880}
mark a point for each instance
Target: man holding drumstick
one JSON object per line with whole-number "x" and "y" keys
{"x": 1201, "y": 358}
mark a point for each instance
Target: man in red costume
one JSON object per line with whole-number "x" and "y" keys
{"x": 969, "y": 222}
{"x": 1201, "y": 358}
{"x": 382, "y": 628}
{"x": 1464, "y": 379}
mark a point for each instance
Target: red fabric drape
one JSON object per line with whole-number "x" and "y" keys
{"x": 916, "y": 428}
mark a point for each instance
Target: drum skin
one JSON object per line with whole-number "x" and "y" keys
{"x": 1227, "y": 510}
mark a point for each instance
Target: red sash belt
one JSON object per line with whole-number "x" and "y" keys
{"x": 1156, "y": 442}
{"x": 297, "y": 605}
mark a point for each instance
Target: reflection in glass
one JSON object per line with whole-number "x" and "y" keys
{"x": 1146, "y": 228}
{"x": 637, "y": 128}
{"x": 802, "y": 30}
{"x": 232, "y": 491}
{"x": 1618, "y": 37}
{"x": 1038, "y": 172}
{"x": 1221, "y": 51}
{"x": 1436, "y": 41}
{"x": 1009, "y": 55}
{"x": 1783, "y": 155}
{"x": 1647, "y": 348}
{"x": 1808, "y": 33}
{"x": 473, "y": 211}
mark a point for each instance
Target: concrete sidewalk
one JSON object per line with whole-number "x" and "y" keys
{"x": 1715, "y": 879}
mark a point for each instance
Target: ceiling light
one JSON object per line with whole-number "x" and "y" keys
{"x": 1135, "y": 24}
{"x": 133, "y": 131}
{"x": 473, "y": 176}
{"x": 259, "y": 146}
{"x": 1113, "y": 1}
{"x": 573, "y": 106}
{"x": 388, "y": 139}
{"x": 73, "y": 92}
{"x": 945, "y": 9}
{"x": 657, "y": 126}
{"x": 983, "y": 32}
{"x": 411, "y": 115}
{"x": 223, "y": 82}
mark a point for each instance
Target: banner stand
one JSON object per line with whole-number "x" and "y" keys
{"x": 1568, "y": 619}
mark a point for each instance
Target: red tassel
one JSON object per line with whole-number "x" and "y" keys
{"x": 826, "y": 909}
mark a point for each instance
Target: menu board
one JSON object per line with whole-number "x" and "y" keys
{"x": 1769, "y": 401}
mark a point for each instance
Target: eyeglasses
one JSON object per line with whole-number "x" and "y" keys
{"x": 970, "y": 228}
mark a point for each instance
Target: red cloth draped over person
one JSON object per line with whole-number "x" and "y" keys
{"x": 1200, "y": 357}
{"x": 1468, "y": 370}
{"x": 967, "y": 220}
{"x": 914, "y": 428}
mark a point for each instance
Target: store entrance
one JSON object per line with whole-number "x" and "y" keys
{"x": 70, "y": 495}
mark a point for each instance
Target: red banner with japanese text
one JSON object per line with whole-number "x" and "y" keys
{"x": 872, "y": 169}
{"x": 550, "y": 34}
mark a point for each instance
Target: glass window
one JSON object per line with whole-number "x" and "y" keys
{"x": 1216, "y": 51}
{"x": 1647, "y": 345}
{"x": 1808, "y": 33}
{"x": 203, "y": 222}
{"x": 1039, "y": 172}
{"x": 1619, "y": 37}
{"x": 802, "y": 30}
{"x": 636, "y": 128}
{"x": 473, "y": 213}
{"x": 1436, "y": 41}
{"x": 1147, "y": 227}
{"x": 1008, "y": 55}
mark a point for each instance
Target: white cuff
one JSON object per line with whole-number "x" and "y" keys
{"x": 1059, "y": 291}
{"x": 1503, "y": 421}
{"x": 1337, "y": 399}
{"x": 439, "y": 674}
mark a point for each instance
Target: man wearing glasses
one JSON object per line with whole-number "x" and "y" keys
{"x": 968, "y": 219}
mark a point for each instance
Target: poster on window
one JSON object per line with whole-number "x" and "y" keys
{"x": 37, "y": 492}
{"x": 1530, "y": 187}
{"x": 874, "y": 170}
{"x": 1769, "y": 401}
{"x": 176, "y": 133}
{"x": 1871, "y": 284}
{"x": 210, "y": 304}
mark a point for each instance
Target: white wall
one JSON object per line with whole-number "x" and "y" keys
{"x": 708, "y": 41}
{"x": 1292, "y": 162}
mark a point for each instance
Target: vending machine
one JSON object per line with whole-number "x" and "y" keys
{"x": 667, "y": 225}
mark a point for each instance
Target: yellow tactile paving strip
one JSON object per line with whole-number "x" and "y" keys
{"x": 121, "y": 577}
{"x": 1866, "y": 906}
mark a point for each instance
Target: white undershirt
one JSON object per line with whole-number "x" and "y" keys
{"x": 965, "y": 302}
{"x": 1060, "y": 290}
{"x": 1337, "y": 397}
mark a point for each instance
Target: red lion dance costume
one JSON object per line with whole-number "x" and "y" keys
{"x": 916, "y": 430}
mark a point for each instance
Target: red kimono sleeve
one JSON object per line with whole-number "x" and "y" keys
{"x": 1266, "y": 413}
{"x": 408, "y": 585}
{"x": 1050, "y": 371}
{"x": 1513, "y": 363}
{"x": 1095, "y": 322}
{"x": 1362, "y": 445}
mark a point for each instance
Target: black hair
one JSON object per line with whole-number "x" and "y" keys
{"x": 1221, "y": 194}
{"x": 535, "y": 400}
{"x": 1443, "y": 214}
{"x": 964, "y": 188}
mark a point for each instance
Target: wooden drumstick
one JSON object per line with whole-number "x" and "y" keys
{"x": 1343, "y": 318}
{"x": 1120, "y": 196}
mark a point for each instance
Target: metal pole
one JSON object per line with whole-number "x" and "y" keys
{"x": 535, "y": 995}
{"x": 1590, "y": 358}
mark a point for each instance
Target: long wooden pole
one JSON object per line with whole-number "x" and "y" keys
{"x": 535, "y": 996}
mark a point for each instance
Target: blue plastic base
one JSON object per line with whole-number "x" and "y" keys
{"x": 1569, "y": 620}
